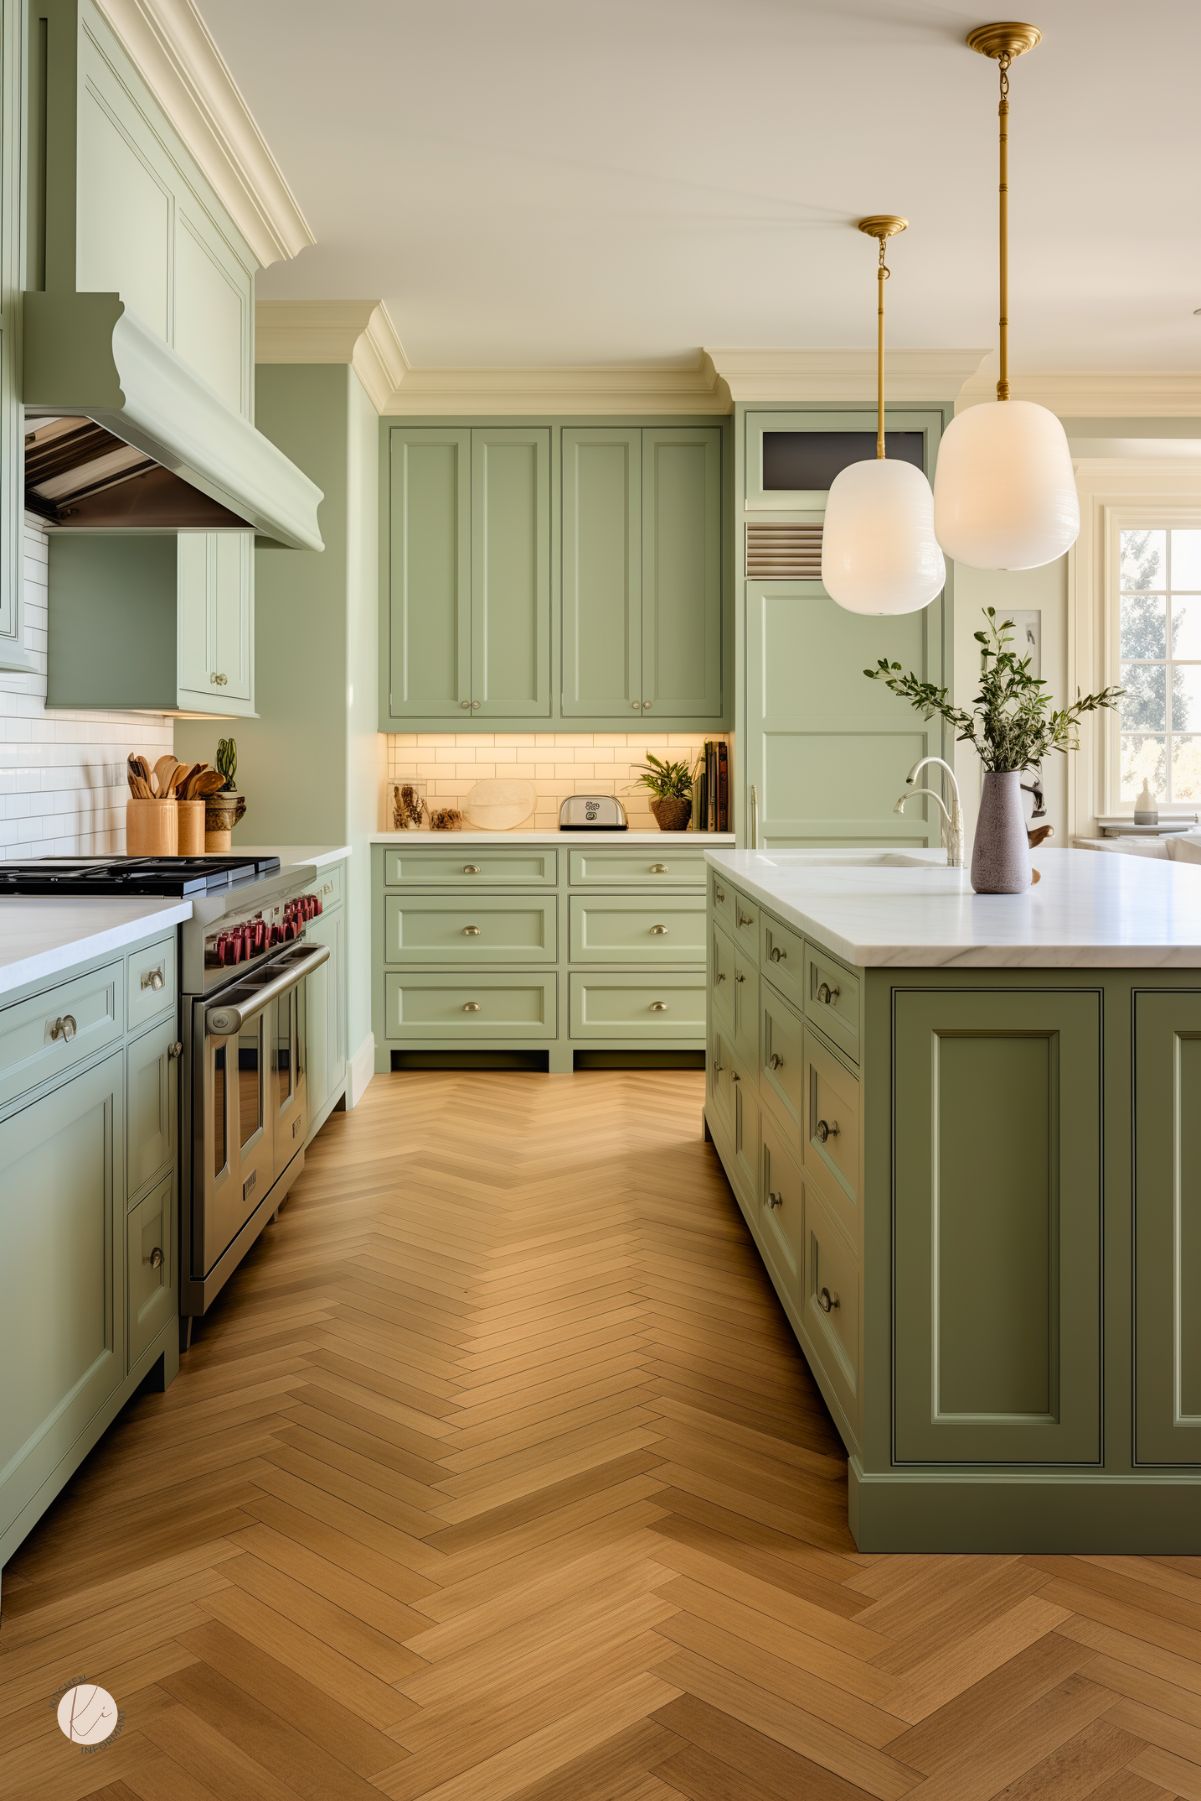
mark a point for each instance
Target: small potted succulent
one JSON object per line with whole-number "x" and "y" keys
{"x": 671, "y": 785}
{"x": 223, "y": 809}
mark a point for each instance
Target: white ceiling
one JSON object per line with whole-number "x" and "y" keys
{"x": 548, "y": 182}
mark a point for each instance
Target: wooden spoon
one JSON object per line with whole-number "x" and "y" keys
{"x": 163, "y": 770}
{"x": 210, "y": 782}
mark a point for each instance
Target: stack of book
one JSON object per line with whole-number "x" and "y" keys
{"x": 711, "y": 790}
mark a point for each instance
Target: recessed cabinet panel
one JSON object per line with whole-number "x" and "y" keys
{"x": 152, "y": 1102}
{"x": 997, "y": 1211}
{"x": 782, "y": 1065}
{"x": 510, "y": 573}
{"x": 494, "y": 928}
{"x": 602, "y": 573}
{"x": 782, "y": 1212}
{"x": 721, "y": 978}
{"x": 1167, "y": 1226}
{"x": 630, "y": 928}
{"x": 429, "y": 572}
{"x": 681, "y": 573}
{"x": 150, "y": 1266}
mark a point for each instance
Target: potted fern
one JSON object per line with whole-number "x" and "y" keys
{"x": 671, "y": 785}
{"x": 223, "y": 809}
{"x": 1012, "y": 726}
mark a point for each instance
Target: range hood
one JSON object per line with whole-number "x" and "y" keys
{"x": 122, "y": 435}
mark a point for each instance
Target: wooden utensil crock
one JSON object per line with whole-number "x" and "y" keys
{"x": 151, "y": 828}
{"x": 191, "y": 827}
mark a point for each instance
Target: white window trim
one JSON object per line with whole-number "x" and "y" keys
{"x": 1114, "y": 493}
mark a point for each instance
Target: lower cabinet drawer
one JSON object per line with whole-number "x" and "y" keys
{"x": 625, "y": 928}
{"x": 638, "y": 868}
{"x": 830, "y": 1310}
{"x": 52, "y": 1031}
{"x": 451, "y": 928}
{"x": 455, "y": 1008}
{"x": 781, "y": 1212}
{"x": 832, "y": 1135}
{"x": 151, "y": 982}
{"x": 832, "y": 999}
{"x": 472, "y": 866}
{"x": 782, "y": 1062}
{"x": 151, "y": 1105}
{"x": 639, "y": 1007}
{"x": 746, "y": 1006}
{"x": 782, "y": 958}
{"x": 150, "y": 1265}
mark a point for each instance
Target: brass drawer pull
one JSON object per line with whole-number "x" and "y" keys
{"x": 746, "y": 919}
{"x": 152, "y": 978}
{"x": 175, "y": 1051}
{"x": 739, "y": 977}
{"x": 826, "y": 994}
{"x": 659, "y": 869}
{"x": 776, "y": 954}
{"x": 219, "y": 681}
{"x": 826, "y": 1130}
{"x": 646, "y": 706}
{"x": 827, "y": 1301}
{"x": 658, "y": 931}
{"x": 471, "y": 931}
{"x": 734, "y": 1076}
{"x": 720, "y": 976}
{"x": 155, "y": 1258}
{"x": 775, "y": 1061}
{"x": 774, "y": 1199}
{"x": 718, "y": 1068}
{"x": 64, "y": 1027}
{"x": 658, "y": 1006}
{"x": 471, "y": 1006}
{"x": 471, "y": 869}
{"x": 719, "y": 894}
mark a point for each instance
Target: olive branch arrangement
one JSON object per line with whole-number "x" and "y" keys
{"x": 1012, "y": 723}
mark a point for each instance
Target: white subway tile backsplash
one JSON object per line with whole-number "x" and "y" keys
{"x": 62, "y": 775}
{"x": 557, "y": 763}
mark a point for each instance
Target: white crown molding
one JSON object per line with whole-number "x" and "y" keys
{"x": 357, "y": 332}
{"x": 1099, "y": 394}
{"x": 841, "y": 376}
{"x": 643, "y": 388}
{"x": 174, "y": 51}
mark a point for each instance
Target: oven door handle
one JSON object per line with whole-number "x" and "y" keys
{"x": 227, "y": 1020}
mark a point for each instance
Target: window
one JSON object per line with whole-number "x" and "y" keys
{"x": 1159, "y": 642}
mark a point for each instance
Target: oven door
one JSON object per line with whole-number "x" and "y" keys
{"x": 250, "y": 1097}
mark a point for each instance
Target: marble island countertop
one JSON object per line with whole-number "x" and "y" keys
{"x": 906, "y": 909}
{"x": 690, "y": 840}
{"x": 44, "y": 936}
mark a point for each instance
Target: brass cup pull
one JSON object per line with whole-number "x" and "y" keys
{"x": 175, "y": 1051}
{"x": 775, "y": 1061}
{"x": 471, "y": 1006}
{"x": 156, "y": 1258}
{"x": 661, "y": 1007}
{"x": 471, "y": 869}
{"x": 659, "y": 869}
{"x": 219, "y": 681}
{"x": 826, "y": 994}
{"x": 776, "y": 954}
{"x": 734, "y": 1076}
{"x": 64, "y": 1027}
{"x": 658, "y": 931}
{"x": 746, "y": 919}
{"x": 471, "y": 931}
{"x": 774, "y": 1199}
{"x": 825, "y": 1130}
{"x": 827, "y": 1301}
{"x": 152, "y": 978}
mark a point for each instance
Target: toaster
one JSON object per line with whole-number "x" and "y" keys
{"x": 592, "y": 813}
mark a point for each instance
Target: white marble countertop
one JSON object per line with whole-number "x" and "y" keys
{"x": 291, "y": 854}
{"x": 695, "y": 840}
{"x": 1087, "y": 912}
{"x": 44, "y": 937}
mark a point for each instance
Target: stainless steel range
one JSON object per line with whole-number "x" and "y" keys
{"x": 243, "y": 1094}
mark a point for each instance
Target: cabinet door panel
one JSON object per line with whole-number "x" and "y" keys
{"x": 429, "y": 572}
{"x": 510, "y": 573}
{"x": 1167, "y": 1228}
{"x": 997, "y": 1225}
{"x": 150, "y": 1264}
{"x": 195, "y": 647}
{"x": 62, "y": 1282}
{"x": 152, "y": 1075}
{"x": 681, "y": 573}
{"x": 231, "y": 574}
{"x": 602, "y": 574}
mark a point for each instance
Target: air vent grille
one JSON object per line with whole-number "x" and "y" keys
{"x": 781, "y": 552}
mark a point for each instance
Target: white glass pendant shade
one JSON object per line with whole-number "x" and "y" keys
{"x": 879, "y": 551}
{"x": 1004, "y": 490}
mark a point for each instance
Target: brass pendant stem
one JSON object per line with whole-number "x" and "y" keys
{"x": 881, "y": 226}
{"x": 1003, "y": 227}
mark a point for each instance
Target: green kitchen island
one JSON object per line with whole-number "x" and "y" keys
{"x": 965, "y": 1133}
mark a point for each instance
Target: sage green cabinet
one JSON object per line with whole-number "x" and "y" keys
{"x": 642, "y": 604}
{"x": 467, "y": 630}
{"x": 154, "y": 623}
{"x": 325, "y": 1017}
{"x": 13, "y": 651}
{"x": 998, "y": 1212}
{"x": 152, "y": 1065}
{"x": 1167, "y": 1228}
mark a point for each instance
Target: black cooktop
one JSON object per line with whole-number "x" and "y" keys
{"x": 172, "y": 876}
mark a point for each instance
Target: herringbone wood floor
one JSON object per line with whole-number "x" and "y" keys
{"x": 497, "y": 1477}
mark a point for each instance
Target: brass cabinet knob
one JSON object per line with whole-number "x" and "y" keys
{"x": 746, "y": 919}
{"x": 659, "y": 869}
{"x": 775, "y": 1061}
{"x": 774, "y": 1199}
{"x": 717, "y": 1068}
{"x": 471, "y": 1006}
{"x": 719, "y": 894}
{"x": 739, "y": 977}
{"x": 475, "y": 706}
{"x": 175, "y": 1051}
{"x": 156, "y": 1258}
{"x": 827, "y": 1301}
{"x": 658, "y": 931}
{"x": 777, "y": 954}
{"x": 219, "y": 681}
{"x": 471, "y": 931}
{"x": 646, "y": 706}
{"x": 826, "y": 994}
{"x": 825, "y": 1130}
{"x": 720, "y": 976}
{"x": 152, "y": 978}
{"x": 734, "y": 1076}
{"x": 64, "y": 1027}
{"x": 637, "y": 705}
{"x": 466, "y": 705}
{"x": 471, "y": 869}
{"x": 661, "y": 1007}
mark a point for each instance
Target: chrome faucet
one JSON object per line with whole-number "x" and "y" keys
{"x": 950, "y": 826}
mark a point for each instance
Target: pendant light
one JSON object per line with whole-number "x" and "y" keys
{"x": 879, "y": 551}
{"x": 1004, "y": 491}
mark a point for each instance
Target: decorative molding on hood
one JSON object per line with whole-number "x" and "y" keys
{"x": 177, "y": 57}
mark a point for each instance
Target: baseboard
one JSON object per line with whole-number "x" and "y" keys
{"x": 359, "y": 1071}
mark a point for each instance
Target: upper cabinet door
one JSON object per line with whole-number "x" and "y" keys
{"x": 231, "y": 576}
{"x": 602, "y": 574}
{"x": 681, "y": 573}
{"x": 429, "y": 574}
{"x": 510, "y": 573}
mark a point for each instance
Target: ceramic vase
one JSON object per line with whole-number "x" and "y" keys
{"x": 1001, "y": 852}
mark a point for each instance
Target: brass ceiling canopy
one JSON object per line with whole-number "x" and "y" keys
{"x": 883, "y": 225}
{"x": 1004, "y": 40}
